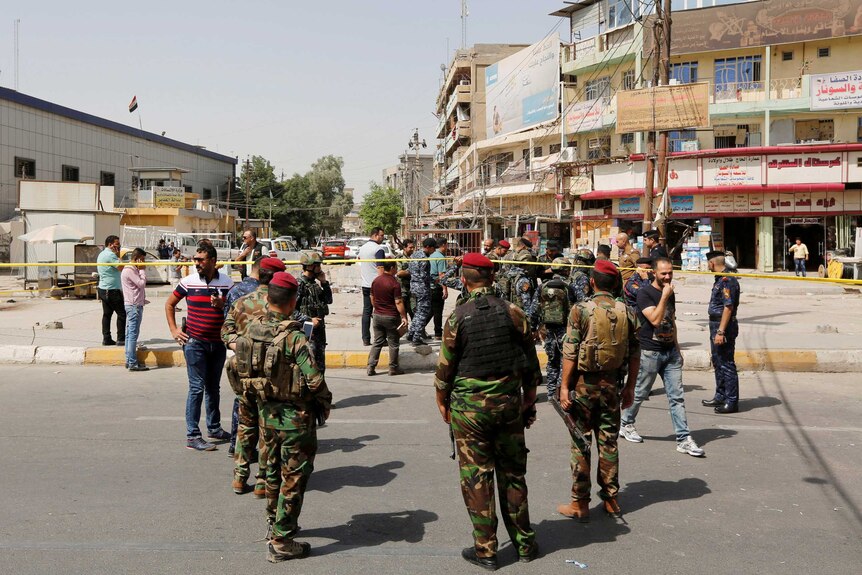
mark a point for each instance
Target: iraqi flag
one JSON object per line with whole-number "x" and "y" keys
{"x": 133, "y": 105}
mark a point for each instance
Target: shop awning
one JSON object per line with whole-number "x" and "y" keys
{"x": 689, "y": 191}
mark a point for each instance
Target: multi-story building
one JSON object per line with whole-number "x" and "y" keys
{"x": 40, "y": 140}
{"x": 782, "y": 156}
{"x": 461, "y": 100}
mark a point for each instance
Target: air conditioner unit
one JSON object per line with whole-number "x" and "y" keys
{"x": 566, "y": 205}
{"x": 569, "y": 154}
{"x": 690, "y": 146}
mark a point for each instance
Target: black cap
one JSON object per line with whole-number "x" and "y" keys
{"x": 526, "y": 242}
{"x": 651, "y": 234}
{"x": 553, "y": 245}
{"x": 714, "y": 254}
{"x": 644, "y": 261}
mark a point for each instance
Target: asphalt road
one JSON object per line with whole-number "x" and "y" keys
{"x": 95, "y": 479}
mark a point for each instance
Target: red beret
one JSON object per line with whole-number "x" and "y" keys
{"x": 606, "y": 267}
{"x": 273, "y": 264}
{"x": 283, "y": 279}
{"x": 475, "y": 260}
{"x": 504, "y": 244}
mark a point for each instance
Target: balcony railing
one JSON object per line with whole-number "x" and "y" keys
{"x": 779, "y": 89}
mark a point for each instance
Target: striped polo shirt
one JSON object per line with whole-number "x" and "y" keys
{"x": 203, "y": 321}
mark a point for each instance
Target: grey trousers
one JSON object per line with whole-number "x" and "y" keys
{"x": 385, "y": 330}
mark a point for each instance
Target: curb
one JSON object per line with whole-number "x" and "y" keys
{"x": 798, "y": 360}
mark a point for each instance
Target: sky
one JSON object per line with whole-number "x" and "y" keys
{"x": 287, "y": 80}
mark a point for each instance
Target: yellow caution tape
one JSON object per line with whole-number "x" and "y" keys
{"x": 29, "y": 291}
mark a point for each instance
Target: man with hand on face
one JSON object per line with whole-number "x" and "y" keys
{"x": 110, "y": 291}
{"x": 660, "y": 355}
{"x": 486, "y": 382}
{"x": 314, "y": 296}
{"x": 205, "y": 291}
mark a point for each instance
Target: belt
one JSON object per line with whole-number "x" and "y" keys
{"x": 718, "y": 318}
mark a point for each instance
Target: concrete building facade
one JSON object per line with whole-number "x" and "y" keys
{"x": 40, "y": 140}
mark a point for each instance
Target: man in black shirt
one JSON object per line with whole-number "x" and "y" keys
{"x": 660, "y": 355}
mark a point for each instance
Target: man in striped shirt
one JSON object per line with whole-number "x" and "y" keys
{"x": 202, "y": 346}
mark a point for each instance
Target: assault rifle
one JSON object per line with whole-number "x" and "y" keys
{"x": 452, "y": 439}
{"x": 570, "y": 422}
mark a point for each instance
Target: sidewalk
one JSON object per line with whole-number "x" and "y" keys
{"x": 784, "y": 326}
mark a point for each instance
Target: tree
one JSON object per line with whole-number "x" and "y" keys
{"x": 326, "y": 184}
{"x": 381, "y": 208}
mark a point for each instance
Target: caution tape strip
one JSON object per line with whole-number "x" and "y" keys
{"x": 30, "y": 291}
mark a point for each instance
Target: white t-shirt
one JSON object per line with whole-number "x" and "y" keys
{"x": 370, "y": 250}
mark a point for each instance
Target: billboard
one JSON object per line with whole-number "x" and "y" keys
{"x": 663, "y": 108}
{"x": 585, "y": 116}
{"x": 840, "y": 90}
{"x": 523, "y": 90}
{"x": 767, "y": 23}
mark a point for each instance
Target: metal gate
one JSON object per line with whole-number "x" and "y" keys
{"x": 460, "y": 241}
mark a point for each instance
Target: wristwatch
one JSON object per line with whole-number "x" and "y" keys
{"x": 720, "y": 332}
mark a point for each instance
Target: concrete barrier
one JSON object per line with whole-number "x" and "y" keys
{"x": 17, "y": 353}
{"x": 59, "y": 355}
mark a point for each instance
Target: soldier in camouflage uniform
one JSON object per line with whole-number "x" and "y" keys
{"x": 522, "y": 282}
{"x": 313, "y": 299}
{"x": 553, "y": 311}
{"x": 289, "y": 427}
{"x": 403, "y": 276}
{"x": 486, "y": 382}
{"x": 591, "y": 394}
{"x": 420, "y": 289}
{"x": 248, "y": 413}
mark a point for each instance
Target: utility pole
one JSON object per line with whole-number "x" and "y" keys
{"x": 657, "y": 159}
{"x": 415, "y": 144}
{"x": 247, "y": 189}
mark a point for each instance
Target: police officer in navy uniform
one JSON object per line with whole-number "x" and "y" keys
{"x": 723, "y": 330}
{"x": 652, "y": 245}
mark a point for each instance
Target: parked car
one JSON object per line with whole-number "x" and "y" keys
{"x": 155, "y": 274}
{"x": 353, "y": 246}
{"x": 335, "y": 249}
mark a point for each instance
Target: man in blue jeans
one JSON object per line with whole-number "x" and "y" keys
{"x": 656, "y": 305}
{"x": 204, "y": 351}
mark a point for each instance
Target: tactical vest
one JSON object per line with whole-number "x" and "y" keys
{"x": 260, "y": 364}
{"x": 554, "y": 302}
{"x": 604, "y": 347}
{"x": 488, "y": 339}
{"x": 309, "y": 299}
{"x": 514, "y": 295}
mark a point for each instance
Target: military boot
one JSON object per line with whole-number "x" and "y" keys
{"x": 260, "y": 488}
{"x": 278, "y": 551}
{"x": 239, "y": 485}
{"x": 579, "y": 510}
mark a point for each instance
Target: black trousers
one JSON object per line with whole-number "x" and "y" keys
{"x": 366, "y": 315}
{"x": 437, "y": 309}
{"x": 112, "y": 302}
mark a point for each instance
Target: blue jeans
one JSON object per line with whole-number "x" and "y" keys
{"x": 134, "y": 315}
{"x": 723, "y": 362}
{"x": 204, "y": 363}
{"x": 799, "y": 264}
{"x": 667, "y": 364}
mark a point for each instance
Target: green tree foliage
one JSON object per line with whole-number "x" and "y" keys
{"x": 303, "y": 205}
{"x": 381, "y": 207}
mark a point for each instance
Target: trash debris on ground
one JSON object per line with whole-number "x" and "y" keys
{"x": 577, "y": 563}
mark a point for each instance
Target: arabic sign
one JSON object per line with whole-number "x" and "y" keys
{"x": 830, "y": 91}
{"x": 169, "y": 197}
{"x": 820, "y": 168}
{"x": 663, "y": 108}
{"x": 768, "y": 23}
{"x": 523, "y": 90}
{"x": 732, "y": 171}
{"x": 585, "y": 116}
{"x": 682, "y": 204}
{"x": 629, "y": 205}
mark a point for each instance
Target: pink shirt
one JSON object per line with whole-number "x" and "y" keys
{"x": 134, "y": 282}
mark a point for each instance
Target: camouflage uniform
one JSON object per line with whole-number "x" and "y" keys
{"x": 523, "y": 293}
{"x": 406, "y": 296}
{"x": 488, "y": 425}
{"x": 313, "y": 300}
{"x": 579, "y": 285}
{"x": 245, "y": 287}
{"x": 628, "y": 261}
{"x": 290, "y": 435}
{"x": 595, "y": 407}
{"x": 420, "y": 288}
{"x": 248, "y": 437}
{"x": 553, "y": 334}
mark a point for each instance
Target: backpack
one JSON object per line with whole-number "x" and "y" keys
{"x": 554, "y": 302}
{"x": 513, "y": 295}
{"x": 605, "y": 345}
{"x": 260, "y": 364}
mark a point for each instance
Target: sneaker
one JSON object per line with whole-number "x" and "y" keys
{"x": 198, "y": 444}
{"x": 689, "y": 446}
{"x": 139, "y": 367}
{"x": 278, "y": 551}
{"x": 220, "y": 435}
{"x": 629, "y": 433}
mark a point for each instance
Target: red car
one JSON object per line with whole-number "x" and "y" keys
{"x": 335, "y": 249}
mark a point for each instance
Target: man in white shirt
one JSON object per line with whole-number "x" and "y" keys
{"x": 800, "y": 256}
{"x": 370, "y": 250}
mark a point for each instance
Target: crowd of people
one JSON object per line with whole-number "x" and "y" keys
{"x": 609, "y": 330}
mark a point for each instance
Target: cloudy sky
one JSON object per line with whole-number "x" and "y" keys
{"x": 289, "y": 80}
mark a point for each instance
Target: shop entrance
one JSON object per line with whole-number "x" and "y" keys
{"x": 812, "y": 232}
{"x": 739, "y": 237}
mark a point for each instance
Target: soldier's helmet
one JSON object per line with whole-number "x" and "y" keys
{"x": 585, "y": 256}
{"x": 560, "y": 266}
{"x": 309, "y": 258}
